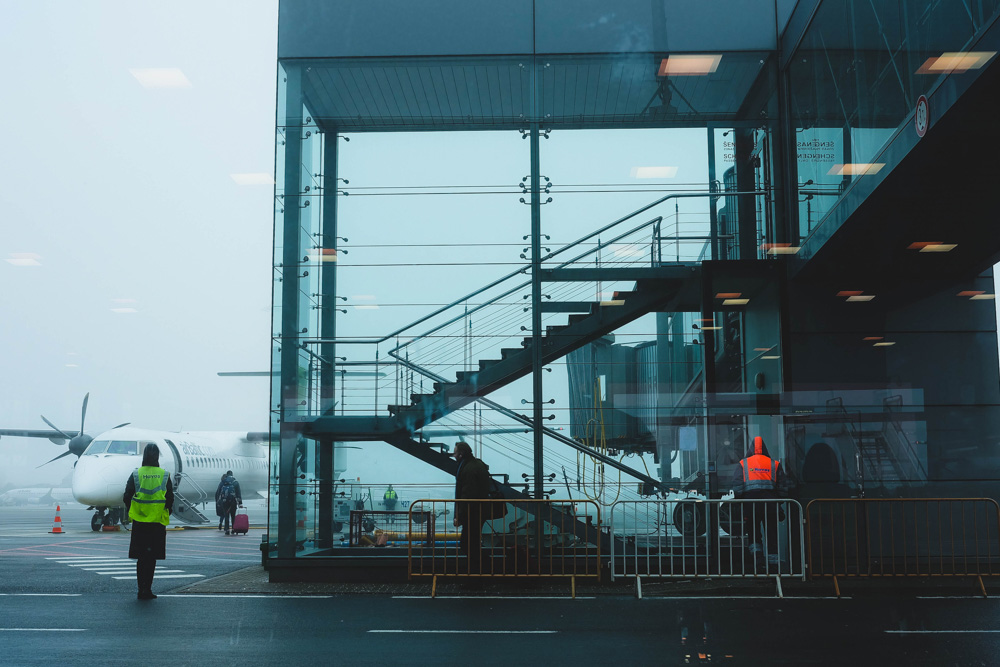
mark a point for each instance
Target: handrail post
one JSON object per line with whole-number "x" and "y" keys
{"x": 536, "y": 311}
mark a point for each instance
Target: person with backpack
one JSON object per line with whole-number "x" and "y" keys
{"x": 227, "y": 499}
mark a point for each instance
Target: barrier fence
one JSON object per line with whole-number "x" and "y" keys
{"x": 506, "y": 539}
{"x": 692, "y": 538}
{"x": 903, "y": 537}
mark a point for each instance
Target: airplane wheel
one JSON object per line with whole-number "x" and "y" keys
{"x": 108, "y": 520}
{"x": 689, "y": 519}
{"x": 96, "y": 522}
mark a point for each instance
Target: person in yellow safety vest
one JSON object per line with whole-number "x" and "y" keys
{"x": 149, "y": 497}
{"x": 760, "y": 476}
{"x": 390, "y": 498}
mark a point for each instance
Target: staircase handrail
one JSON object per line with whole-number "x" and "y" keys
{"x": 466, "y": 313}
{"x": 614, "y": 463}
{"x": 642, "y": 209}
{"x": 203, "y": 495}
{"x": 901, "y": 441}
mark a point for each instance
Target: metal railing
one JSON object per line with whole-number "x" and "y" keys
{"x": 903, "y": 537}
{"x": 516, "y": 539}
{"x": 691, "y": 538}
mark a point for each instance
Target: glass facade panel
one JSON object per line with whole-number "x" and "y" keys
{"x": 855, "y": 79}
{"x": 654, "y": 270}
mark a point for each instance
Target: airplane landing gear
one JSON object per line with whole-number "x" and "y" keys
{"x": 113, "y": 516}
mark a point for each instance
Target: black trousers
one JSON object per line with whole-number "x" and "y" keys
{"x": 229, "y": 516}
{"x": 760, "y": 520}
{"x": 470, "y": 542}
{"x": 144, "y": 568}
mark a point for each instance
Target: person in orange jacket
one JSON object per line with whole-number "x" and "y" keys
{"x": 758, "y": 476}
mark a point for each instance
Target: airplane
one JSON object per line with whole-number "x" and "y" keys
{"x": 196, "y": 461}
{"x": 36, "y": 496}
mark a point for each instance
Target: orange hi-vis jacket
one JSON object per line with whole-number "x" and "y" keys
{"x": 759, "y": 471}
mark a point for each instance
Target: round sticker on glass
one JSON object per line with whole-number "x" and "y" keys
{"x": 922, "y": 116}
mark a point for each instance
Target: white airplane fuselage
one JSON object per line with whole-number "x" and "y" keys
{"x": 196, "y": 461}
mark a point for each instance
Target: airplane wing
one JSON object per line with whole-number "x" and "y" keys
{"x": 57, "y": 437}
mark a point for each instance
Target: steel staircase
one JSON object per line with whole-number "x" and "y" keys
{"x": 514, "y": 363}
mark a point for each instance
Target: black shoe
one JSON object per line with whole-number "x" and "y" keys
{"x": 227, "y": 532}
{"x": 146, "y": 595}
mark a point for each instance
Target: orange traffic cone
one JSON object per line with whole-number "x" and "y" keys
{"x": 57, "y": 523}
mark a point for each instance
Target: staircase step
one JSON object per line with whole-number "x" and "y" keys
{"x": 554, "y": 330}
{"x": 486, "y": 363}
{"x": 566, "y": 306}
{"x": 417, "y": 398}
{"x": 573, "y": 319}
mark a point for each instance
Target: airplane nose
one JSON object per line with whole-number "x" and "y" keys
{"x": 99, "y": 481}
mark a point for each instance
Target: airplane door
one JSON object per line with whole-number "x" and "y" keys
{"x": 177, "y": 463}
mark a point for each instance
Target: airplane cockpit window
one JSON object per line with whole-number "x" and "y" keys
{"x": 123, "y": 447}
{"x": 97, "y": 447}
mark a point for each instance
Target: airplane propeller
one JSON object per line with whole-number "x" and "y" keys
{"x": 79, "y": 442}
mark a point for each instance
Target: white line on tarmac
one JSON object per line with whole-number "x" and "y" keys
{"x": 85, "y": 561}
{"x": 490, "y": 597}
{"x": 43, "y": 629}
{"x": 43, "y": 595}
{"x": 71, "y": 557}
{"x": 468, "y": 632}
{"x": 940, "y": 632}
{"x": 167, "y": 576}
{"x": 746, "y": 597}
{"x": 132, "y": 571}
{"x": 110, "y": 562}
{"x": 277, "y": 596}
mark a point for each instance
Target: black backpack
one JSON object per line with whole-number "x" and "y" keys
{"x": 228, "y": 493}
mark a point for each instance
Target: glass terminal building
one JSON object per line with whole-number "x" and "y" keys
{"x": 609, "y": 244}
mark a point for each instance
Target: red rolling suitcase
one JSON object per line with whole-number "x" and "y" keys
{"x": 241, "y": 524}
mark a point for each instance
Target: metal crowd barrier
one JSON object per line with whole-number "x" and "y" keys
{"x": 691, "y": 538}
{"x": 518, "y": 538}
{"x": 903, "y": 537}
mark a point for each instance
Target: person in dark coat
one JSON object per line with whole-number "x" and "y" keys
{"x": 472, "y": 481}
{"x": 227, "y": 499}
{"x": 149, "y": 498}
{"x": 220, "y": 507}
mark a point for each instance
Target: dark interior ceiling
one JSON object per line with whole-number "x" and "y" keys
{"x": 606, "y": 91}
{"x": 943, "y": 191}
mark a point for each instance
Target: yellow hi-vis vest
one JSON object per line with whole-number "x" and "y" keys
{"x": 149, "y": 501}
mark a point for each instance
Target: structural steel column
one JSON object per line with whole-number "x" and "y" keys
{"x": 536, "y": 308}
{"x": 328, "y": 331}
{"x": 290, "y": 260}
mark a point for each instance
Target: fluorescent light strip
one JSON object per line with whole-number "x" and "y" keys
{"x": 689, "y": 65}
{"x": 855, "y": 169}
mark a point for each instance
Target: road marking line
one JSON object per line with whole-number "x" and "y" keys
{"x": 54, "y": 595}
{"x": 43, "y": 629}
{"x": 71, "y": 561}
{"x": 110, "y": 562}
{"x": 248, "y": 595}
{"x": 939, "y": 632}
{"x": 746, "y": 597}
{"x": 158, "y": 572}
{"x": 167, "y": 576}
{"x": 72, "y": 557}
{"x": 468, "y": 632}
{"x": 490, "y": 597}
